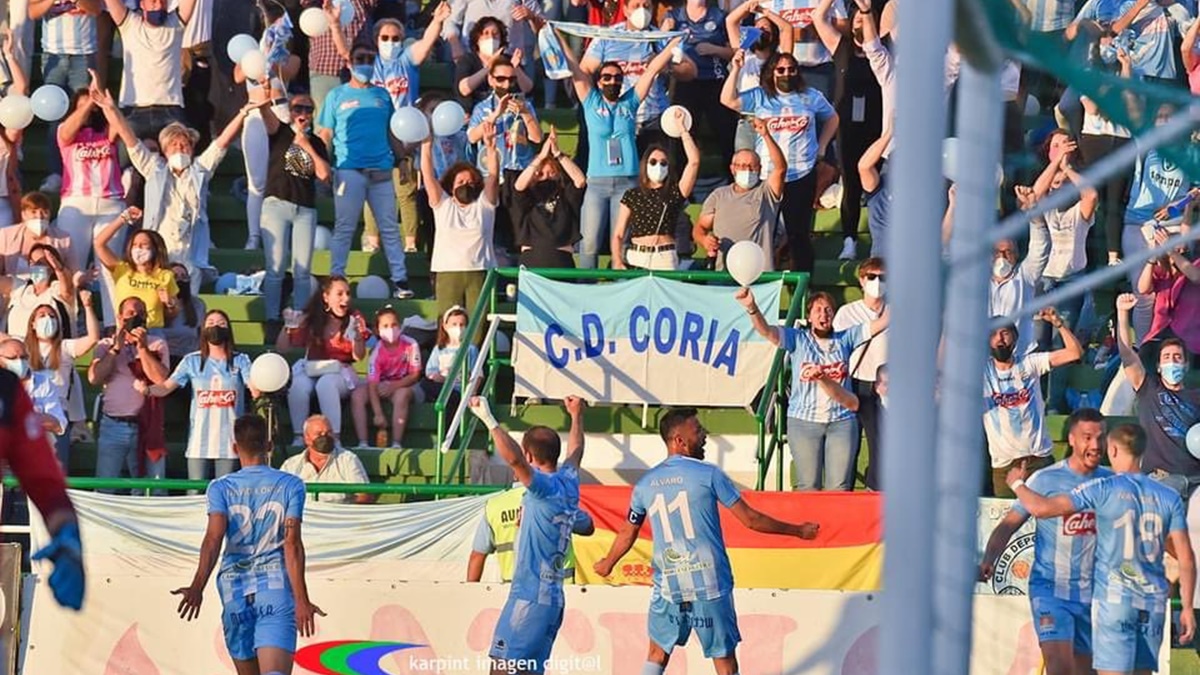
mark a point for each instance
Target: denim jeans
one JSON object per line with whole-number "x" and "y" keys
{"x": 147, "y": 121}
{"x": 330, "y": 389}
{"x": 116, "y": 449}
{"x": 823, "y": 454}
{"x": 69, "y": 71}
{"x": 602, "y": 198}
{"x": 351, "y": 190}
{"x": 288, "y": 232}
{"x": 204, "y": 469}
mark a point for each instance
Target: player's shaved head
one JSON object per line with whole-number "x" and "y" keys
{"x": 543, "y": 444}
{"x": 250, "y": 434}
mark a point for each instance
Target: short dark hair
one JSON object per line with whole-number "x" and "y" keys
{"x": 500, "y": 62}
{"x": 672, "y": 420}
{"x": 543, "y": 443}
{"x": 250, "y": 434}
{"x": 1008, "y": 325}
{"x": 819, "y": 295}
{"x": 874, "y": 263}
{"x": 448, "y": 178}
{"x": 1130, "y": 437}
{"x": 1084, "y": 415}
{"x": 1172, "y": 342}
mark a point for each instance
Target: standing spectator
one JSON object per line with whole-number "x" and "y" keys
{"x": 218, "y": 374}
{"x": 152, "y": 78}
{"x": 873, "y": 176}
{"x": 488, "y": 41}
{"x": 130, "y": 433}
{"x": 198, "y": 64}
{"x": 1152, "y": 23}
{"x": 353, "y": 121}
{"x": 651, "y": 210}
{"x": 803, "y": 124}
{"x": 323, "y": 461}
{"x": 393, "y": 373}
{"x": 54, "y": 353}
{"x": 516, "y": 15}
{"x": 143, "y": 271}
{"x": 821, "y": 428}
{"x": 775, "y": 35}
{"x": 298, "y": 160}
{"x": 814, "y": 60}
{"x": 18, "y": 240}
{"x": 748, "y": 209}
{"x": 464, "y": 216}
{"x": 1013, "y": 286}
{"x": 325, "y": 63}
{"x": 708, "y": 46}
{"x": 867, "y": 359}
{"x": 10, "y": 139}
{"x": 546, "y": 200}
{"x": 1099, "y": 138}
{"x": 450, "y": 339}
{"x": 1174, "y": 282}
{"x": 49, "y": 283}
{"x": 1191, "y": 58}
{"x": 1014, "y": 412}
{"x": 47, "y": 401}
{"x": 68, "y": 51}
{"x": 182, "y": 331}
{"x": 333, "y": 336}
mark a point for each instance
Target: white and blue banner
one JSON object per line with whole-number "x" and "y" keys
{"x": 619, "y": 34}
{"x": 646, "y": 340}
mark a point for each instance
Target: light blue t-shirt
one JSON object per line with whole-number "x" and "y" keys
{"x": 612, "y": 134}
{"x": 1154, "y": 50}
{"x": 680, "y": 497}
{"x": 360, "y": 122}
{"x": 1064, "y": 550}
{"x": 256, "y": 500}
{"x": 400, "y": 77}
{"x": 218, "y": 398}
{"x": 1134, "y": 515}
{"x": 795, "y": 121}
{"x": 633, "y": 58}
{"x": 1157, "y": 182}
{"x": 441, "y": 358}
{"x": 548, "y": 512}
{"x": 512, "y": 136}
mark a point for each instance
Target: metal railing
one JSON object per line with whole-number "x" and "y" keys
{"x": 769, "y": 414}
{"x": 156, "y": 484}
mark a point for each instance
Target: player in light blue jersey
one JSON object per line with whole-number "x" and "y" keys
{"x": 1060, "y": 588}
{"x": 533, "y": 613}
{"x": 256, "y": 513}
{"x": 693, "y": 582}
{"x": 1137, "y": 520}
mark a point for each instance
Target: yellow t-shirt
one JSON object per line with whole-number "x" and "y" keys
{"x": 145, "y": 286}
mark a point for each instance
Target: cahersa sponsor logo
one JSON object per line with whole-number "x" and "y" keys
{"x": 1079, "y": 524}
{"x": 1012, "y": 399}
{"x": 216, "y": 398}
{"x": 797, "y": 16}
{"x": 787, "y": 124}
{"x": 811, "y": 372}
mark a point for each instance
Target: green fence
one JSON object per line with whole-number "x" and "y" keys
{"x": 152, "y": 484}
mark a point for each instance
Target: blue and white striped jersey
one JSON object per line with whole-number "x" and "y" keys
{"x": 218, "y": 398}
{"x": 68, "y": 30}
{"x": 1014, "y": 418}
{"x": 1050, "y": 15}
{"x": 808, "y": 401}
{"x": 548, "y": 512}
{"x": 794, "y": 120}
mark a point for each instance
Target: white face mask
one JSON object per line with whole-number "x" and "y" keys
{"x": 387, "y": 50}
{"x": 873, "y": 288}
{"x": 45, "y": 327}
{"x": 455, "y": 333}
{"x": 37, "y": 226}
{"x": 656, "y": 173}
{"x": 488, "y": 46}
{"x": 141, "y": 256}
{"x": 745, "y": 179}
{"x": 179, "y": 161}
{"x": 640, "y": 18}
{"x": 1001, "y": 268}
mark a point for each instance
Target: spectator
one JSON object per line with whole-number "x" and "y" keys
{"x": 352, "y": 123}
{"x": 748, "y": 209}
{"x": 813, "y": 59}
{"x": 152, "y": 79}
{"x": 323, "y": 461}
{"x": 325, "y": 63}
{"x": 182, "y": 331}
{"x": 546, "y": 200}
{"x": 393, "y": 373}
{"x": 1174, "y": 282}
{"x": 708, "y": 46}
{"x": 176, "y": 192}
{"x": 488, "y": 41}
{"x": 1014, "y": 412}
{"x": 143, "y": 272}
{"x": 1191, "y": 58}
{"x": 333, "y": 336}
{"x": 610, "y": 111}
{"x": 1099, "y": 138}
{"x": 52, "y": 353}
{"x": 199, "y": 62}
{"x": 451, "y": 331}
{"x": 873, "y": 176}
{"x": 48, "y": 283}
{"x": 131, "y": 430}
{"x": 464, "y": 215}
{"x": 775, "y": 35}
{"x": 866, "y": 359}
{"x": 516, "y": 15}
{"x": 47, "y": 401}
{"x": 218, "y": 373}
{"x": 1152, "y": 24}
{"x": 17, "y": 241}
{"x": 10, "y": 139}
{"x": 1013, "y": 287}
{"x": 794, "y": 112}
{"x": 821, "y": 429}
{"x": 298, "y": 160}
{"x": 650, "y": 210}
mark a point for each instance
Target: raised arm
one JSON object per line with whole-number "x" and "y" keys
{"x": 779, "y": 165}
{"x": 1128, "y": 18}
{"x": 691, "y": 170}
{"x": 116, "y": 120}
{"x": 1072, "y": 350}
{"x": 868, "y": 164}
{"x": 103, "y": 252}
{"x": 574, "y": 406}
{"x": 1135, "y": 372}
{"x": 1037, "y": 505}
{"x": 88, "y": 341}
{"x": 581, "y": 79}
{"x": 830, "y": 36}
{"x": 72, "y": 123}
{"x": 1004, "y": 530}
{"x": 20, "y": 79}
{"x": 655, "y": 67}
{"x": 729, "y": 90}
{"x": 507, "y": 447}
{"x": 231, "y": 130}
{"x": 421, "y": 48}
{"x": 117, "y": 10}
{"x": 433, "y": 189}
{"x": 766, "y": 330}
{"x": 491, "y": 162}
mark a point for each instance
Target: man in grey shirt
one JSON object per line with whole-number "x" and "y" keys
{"x": 747, "y": 210}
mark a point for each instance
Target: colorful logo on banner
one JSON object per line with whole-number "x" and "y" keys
{"x": 1015, "y": 564}
{"x": 348, "y": 657}
{"x": 646, "y": 340}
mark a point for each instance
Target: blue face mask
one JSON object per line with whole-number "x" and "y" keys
{"x": 1172, "y": 373}
{"x": 363, "y": 72}
{"x": 39, "y": 274}
{"x": 156, "y": 17}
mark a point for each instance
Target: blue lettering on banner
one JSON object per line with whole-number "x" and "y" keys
{"x": 561, "y": 359}
{"x": 638, "y": 339}
{"x": 593, "y": 335}
{"x": 662, "y": 338}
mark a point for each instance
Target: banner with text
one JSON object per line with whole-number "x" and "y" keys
{"x": 1013, "y": 567}
{"x": 647, "y": 340}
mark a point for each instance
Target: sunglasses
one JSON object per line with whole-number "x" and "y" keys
{"x": 786, "y": 71}
{"x": 503, "y": 78}
{"x": 364, "y": 59}
{"x": 301, "y": 109}
{"x": 610, "y": 77}
{"x": 391, "y": 38}
{"x": 872, "y": 276}
{"x": 657, "y": 162}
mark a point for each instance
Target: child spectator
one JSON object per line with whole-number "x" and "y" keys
{"x": 394, "y": 373}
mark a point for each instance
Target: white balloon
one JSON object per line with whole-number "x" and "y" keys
{"x": 1193, "y": 440}
{"x": 313, "y": 22}
{"x": 667, "y": 122}
{"x": 16, "y": 112}
{"x": 50, "y": 102}
{"x": 950, "y": 159}
{"x": 409, "y": 125}
{"x": 1033, "y": 107}
{"x": 745, "y": 262}
{"x": 448, "y": 118}
{"x": 254, "y": 65}
{"x": 238, "y": 46}
{"x": 372, "y": 288}
{"x": 322, "y": 238}
{"x": 269, "y": 373}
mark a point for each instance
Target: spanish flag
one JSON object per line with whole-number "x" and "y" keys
{"x": 847, "y": 555}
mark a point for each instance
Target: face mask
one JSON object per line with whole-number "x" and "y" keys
{"x": 873, "y": 288}
{"x": 39, "y": 274}
{"x": 387, "y": 50}
{"x": 786, "y": 85}
{"x": 640, "y": 18}
{"x": 36, "y": 225}
{"x": 501, "y": 91}
{"x": 1003, "y": 353}
{"x": 216, "y": 335}
{"x": 745, "y": 178}
{"x": 389, "y": 334}
{"x": 1001, "y": 268}
{"x": 488, "y": 46}
{"x": 611, "y": 92}
{"x": 467, "y": 194}
{"x": 323, "y": 444}
{"x": 179, "y": 161}
{"x": 766, "y": 42}
{"x": 1172, "y": 373}
{"x": 454, "y": 333}
{"x": 141, "y": 256}
{"x": 45, "y": 327}
{"x": 362, "y": 73}
{"x": 656, "y": 173}
{"x": 18, "y": 367}
{"x": 545, "y": 190}
{"x": 156, "y": 17}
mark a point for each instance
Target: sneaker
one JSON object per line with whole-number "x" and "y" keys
{"x": 410, "y": 249}
{"x": 1113, "y": 262}
{"x": 52, "y": 184}
{"x": 253, "y": 243}
{"x": 370, "y": 244}
{"x": 849, "y": 250}
{"x": 361, "y": 445}
{"x": 402, "y": 292}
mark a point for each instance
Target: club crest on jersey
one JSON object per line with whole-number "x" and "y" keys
{"x": 1011, "y": 576}
{"x": 1079, "y": 524}
{"x": 216, "y": 398}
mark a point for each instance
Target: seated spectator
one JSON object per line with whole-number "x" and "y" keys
{"x": 393, "y": 373}
{"x": 183, "y": 330}
{"x": 52, "y": 352}
{"x": 488, "y": 41}
{"x": 323, "y": 461}
{"x": 746, "y": 210}
{"x": 821, "y": 429}
{"x": 218, "y": 374}
{"x": 47, "y": 400}
{"x": 143, "y": 272}
{"x": 546, "y": 199}
{"x": 334, "y": 336}
{"x": 10, "y": 139}
{"x": 451, "y": 331}
{"x": 48, "y": 283}
{"x": 1013, "y": 407}
{"x": 1174, "y": 281}
{"x": 464, "y": 215}
{"x": 131, "y": 434}
{"x": 16, "y": 241}
{"x": 650, "y": 210}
